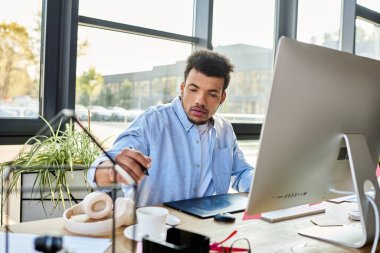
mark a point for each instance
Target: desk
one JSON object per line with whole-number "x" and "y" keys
{"x": 264, "y": 236}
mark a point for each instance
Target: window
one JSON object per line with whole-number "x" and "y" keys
{"x": 244, "y": 32}
{"x": 120, "y": 74}
{"x": 247, "y": 40}
{"x": 124, "y": 64}
{"x": 47, "y": 70}
{"x": 318, "y": 29}
{"x": 20, "y": 41}
{"x": 122, "y": 70}
{"x": 367, "y": 39}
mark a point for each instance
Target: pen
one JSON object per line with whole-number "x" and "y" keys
{"x": 143, "y": 169}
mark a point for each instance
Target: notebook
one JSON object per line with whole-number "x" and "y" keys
{"x": 206, "y": 207}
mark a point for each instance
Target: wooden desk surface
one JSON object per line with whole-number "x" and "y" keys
{"x": 263, "y": 236}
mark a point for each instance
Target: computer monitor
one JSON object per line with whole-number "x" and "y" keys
{"x": 321, "y": 134}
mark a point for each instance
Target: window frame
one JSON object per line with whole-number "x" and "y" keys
{"x": 368, "y": 14}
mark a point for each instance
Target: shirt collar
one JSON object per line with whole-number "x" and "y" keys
{"x": 182, "y": 116}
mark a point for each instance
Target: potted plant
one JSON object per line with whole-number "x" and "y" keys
{"x": 53, "y": 158}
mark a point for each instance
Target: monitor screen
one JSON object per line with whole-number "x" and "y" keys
{"x": 317, "y": 96}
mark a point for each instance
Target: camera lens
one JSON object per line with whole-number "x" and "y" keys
{"x": 48, "y": 244}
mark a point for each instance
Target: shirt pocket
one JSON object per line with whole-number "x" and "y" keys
{"x": 222, "y": 168}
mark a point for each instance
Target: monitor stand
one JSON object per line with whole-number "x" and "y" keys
{"x": 362, "y": 170}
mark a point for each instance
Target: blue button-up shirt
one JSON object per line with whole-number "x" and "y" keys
{"x": 165, "y": 133}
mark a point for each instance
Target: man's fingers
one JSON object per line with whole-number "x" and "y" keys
{"x": 130, "y": 166}
{"x": 129, "y": 163}
{"x": 139, "y": 157}
{"x": 120, "y": 175}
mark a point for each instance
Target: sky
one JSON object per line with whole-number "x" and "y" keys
{"x": 23, "y": 16}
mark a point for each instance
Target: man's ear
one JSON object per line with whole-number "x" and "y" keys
{"x": 224, "y": 95}
{"x": 182, "y": 87}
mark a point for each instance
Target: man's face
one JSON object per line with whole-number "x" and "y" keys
{"x": 201, "y": 96}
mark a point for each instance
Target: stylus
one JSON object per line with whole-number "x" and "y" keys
{"x": 124, "y": 174}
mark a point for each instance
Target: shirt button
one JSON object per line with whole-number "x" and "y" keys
{"x": 197, "y": 165}
{"x": 195, "y": 189}
{"x": 197, "y": 141}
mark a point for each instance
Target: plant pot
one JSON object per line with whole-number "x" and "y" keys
{"x": 33, "y": 207}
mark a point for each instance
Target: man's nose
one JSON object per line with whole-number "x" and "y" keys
{"x": 200, "y": 99}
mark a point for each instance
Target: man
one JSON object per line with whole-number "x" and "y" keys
{"x": 188, "y": 149}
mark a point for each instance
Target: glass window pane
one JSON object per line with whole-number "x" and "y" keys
{"x": 319, "y": 22}
{"x": 250, "y": 149}
{"x": 244, "y": 33}
{"x": 119, "y": 75}
{"x": 168, "y": 15}
{"x": 370, "y": 4}
{"x": 20, "y": 43}
{"x": 367, "y": 39}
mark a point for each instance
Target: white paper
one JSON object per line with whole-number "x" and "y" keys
{"x": 24, "y": 243}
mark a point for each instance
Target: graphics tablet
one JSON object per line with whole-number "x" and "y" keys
{"x": 206, "y": 207}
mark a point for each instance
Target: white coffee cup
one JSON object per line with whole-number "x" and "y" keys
{"x": 151, "y": 221}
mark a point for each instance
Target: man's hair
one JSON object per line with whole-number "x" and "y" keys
{"x": 210, "y": 63}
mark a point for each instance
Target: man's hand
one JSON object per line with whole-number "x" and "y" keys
{"x": 128, "y": 159}
{"x": 131, "y": 161}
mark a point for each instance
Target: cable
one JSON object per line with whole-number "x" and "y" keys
{"x": 1, "y": 198}
{"x": 341, "y": 192}
{"x": 136, "y": 199}
{"x": 5, "y": 184}
{"x": 113, "y": 218}
{"x": 376, "y": 210}
{"x": 5, "y": 181}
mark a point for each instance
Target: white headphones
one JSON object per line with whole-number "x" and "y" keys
{"x": 98, "y": 205}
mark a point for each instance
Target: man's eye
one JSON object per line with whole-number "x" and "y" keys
{"x": 213, "y": 94}
{"x": 193, "y": 90}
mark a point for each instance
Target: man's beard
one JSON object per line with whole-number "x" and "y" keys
{"x": 197, "y": 123}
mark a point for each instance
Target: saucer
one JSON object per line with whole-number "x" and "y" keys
{"x": 128, "y": 232}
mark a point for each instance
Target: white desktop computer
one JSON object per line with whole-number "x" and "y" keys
{"x": 321, "y": 136}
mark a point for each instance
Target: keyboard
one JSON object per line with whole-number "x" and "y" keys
{"x": 291, "y": 213}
